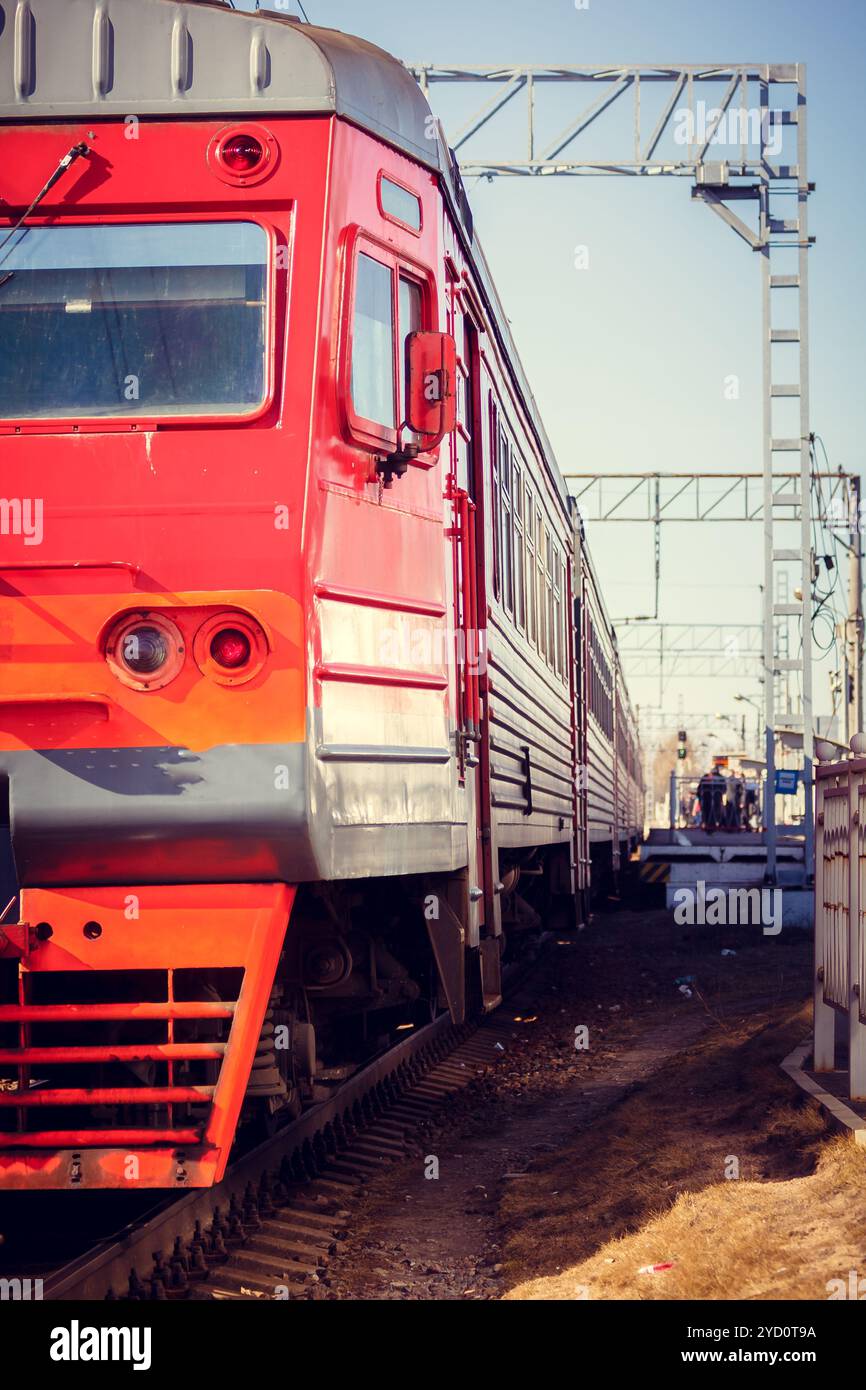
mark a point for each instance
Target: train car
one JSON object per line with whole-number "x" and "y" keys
{"x": 612, "y": 758}
{"x": 309, "y": 711}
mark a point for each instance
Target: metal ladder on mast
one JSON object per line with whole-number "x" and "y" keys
{"x": 786, "y": 239}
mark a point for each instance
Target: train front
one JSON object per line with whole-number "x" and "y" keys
{"x": 155, "y": 407}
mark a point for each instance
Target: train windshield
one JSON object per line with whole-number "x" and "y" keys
{"x": 126, "y": 320}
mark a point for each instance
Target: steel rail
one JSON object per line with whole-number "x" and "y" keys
{"x": 104, "y": 1270}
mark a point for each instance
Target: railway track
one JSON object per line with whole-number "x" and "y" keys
{"x": 267, "y": 1231}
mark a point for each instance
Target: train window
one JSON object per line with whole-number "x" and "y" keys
{"x": 507, "y": 533}
{"x": 562, "y": 616}
{"x": 519, "y": 595}
{"x": 548, "y": 597}
{"x": 398, "y": 204}
{"x": 556, "y": 607}
{"x": 391, "y": 297}
{"x": 601, "y": 684}
{"x": 539, "y": 584}
{"x": 529, "y": 533}
{"x": 462, "y": 438}
{"x": 410, "y": 307}
{"x": 497, "y": 500}
{"x": 410, "y": 317}
{"x": 373, "y": 342}
{"x": 134, "y": 319}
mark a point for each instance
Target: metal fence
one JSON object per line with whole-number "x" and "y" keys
{"x": 683, "y": 807}
{"x": 840, "y": 909}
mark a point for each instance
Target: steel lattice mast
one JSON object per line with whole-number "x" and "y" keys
{"x": 757, "y": 102}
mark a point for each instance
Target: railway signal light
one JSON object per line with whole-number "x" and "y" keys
{"x": 242, "y": 154}
{"x": 681, "y": 751}
{"x": 230, "y": 648}
{"x": 245, "y": 156}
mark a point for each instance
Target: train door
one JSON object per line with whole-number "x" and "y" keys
{"x": 466, "y": 494}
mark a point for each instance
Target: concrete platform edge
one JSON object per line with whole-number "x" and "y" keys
{"x": 841, "y": 1113}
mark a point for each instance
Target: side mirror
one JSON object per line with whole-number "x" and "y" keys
{"x": 431, "y": 378}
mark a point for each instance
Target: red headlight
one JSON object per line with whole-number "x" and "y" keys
{"x": 242, "y": 154}
{"x": 230, "y": 648}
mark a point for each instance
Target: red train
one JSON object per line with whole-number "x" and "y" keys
{"x": 309, "y": 706}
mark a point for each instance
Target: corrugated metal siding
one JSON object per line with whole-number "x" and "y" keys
{"x": 531, "y": 741}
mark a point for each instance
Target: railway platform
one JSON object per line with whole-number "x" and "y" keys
{"x": 698, "y": 861}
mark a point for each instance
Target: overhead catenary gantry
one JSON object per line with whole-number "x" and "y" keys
{"x": 746, "y": 150}
{"x": 661, "y": 497}
{"x": 645, "y": 149}
{"x": 689, "y": 650}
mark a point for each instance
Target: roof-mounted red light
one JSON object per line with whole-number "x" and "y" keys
{"x": 242, "y": 154}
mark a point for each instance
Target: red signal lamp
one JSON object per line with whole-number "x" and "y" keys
{"x": 230, "y": 648}
{"x": 242, "y": 154}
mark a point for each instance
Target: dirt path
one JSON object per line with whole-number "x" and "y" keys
{"x": 437, "y": 1238}
{"x": 461, "y": 1234}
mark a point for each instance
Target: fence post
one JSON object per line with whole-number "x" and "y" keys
{"x": 824, "y": 1052}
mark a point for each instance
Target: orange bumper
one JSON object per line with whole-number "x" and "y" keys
{"x": 128, "y": 1030}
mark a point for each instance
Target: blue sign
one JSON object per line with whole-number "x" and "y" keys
{"x": 786, "y": 780}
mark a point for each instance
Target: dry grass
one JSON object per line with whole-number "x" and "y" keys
{"x": 647, "y": 1185}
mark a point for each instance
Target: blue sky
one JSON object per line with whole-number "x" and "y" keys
{"x": 628, "y": 358}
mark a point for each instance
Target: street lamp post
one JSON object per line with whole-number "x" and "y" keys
{"x": 755, "y": 706}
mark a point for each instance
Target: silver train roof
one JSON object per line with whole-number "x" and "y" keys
{"x": 91, "y": 58}
{"x": 86, "y": 59}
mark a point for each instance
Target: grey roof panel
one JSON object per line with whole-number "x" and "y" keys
{"x": 92, "y": 58}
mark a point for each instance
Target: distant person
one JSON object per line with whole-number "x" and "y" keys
{"x": 718, "y": 791}
{"x": 706, "y": 793}
{"x": 751, "y": 802}
{"x": 732, "y": 803}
